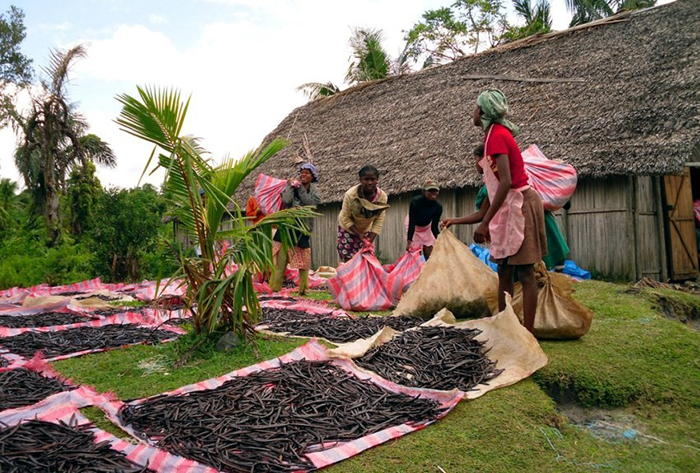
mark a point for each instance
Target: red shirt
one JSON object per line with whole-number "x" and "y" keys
{"x": 500, "y": 141}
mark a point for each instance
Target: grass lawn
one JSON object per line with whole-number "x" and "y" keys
{"x": 629, "y": 394}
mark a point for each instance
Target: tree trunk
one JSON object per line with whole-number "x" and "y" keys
{"x": 52, "y": 214}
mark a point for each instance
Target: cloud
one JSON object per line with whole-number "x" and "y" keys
{"x": 157, "y": 19}
{"x": 65, "y": 26}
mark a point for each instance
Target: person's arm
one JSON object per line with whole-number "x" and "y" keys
{"x": 312, "y": 197}
{"x": 288, "y": 196}
{"x": 469, "y": 219}
{"x": 376, "y": 228}
{"x": 435, "y": 225}
{"x": 412, "y": 214}
{"x": 482, "y": 231}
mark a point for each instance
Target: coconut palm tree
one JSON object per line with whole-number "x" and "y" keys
{"x": 537, "y": 19}
{"x": 369, "y": 60}
{"x": 54, "y": 140}
{"x": 223, "y": 293}
{"x": 314, "y": 90}
{"x": 590, "y": 10}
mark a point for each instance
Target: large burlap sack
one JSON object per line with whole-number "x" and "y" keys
{"x": 514, "y": 348}
{"x": 452, "y": 278}
{"x": 558, "y": 316}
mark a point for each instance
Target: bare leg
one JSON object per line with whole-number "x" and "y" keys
{"x": 505, "y": 284}
{"x": 303, "y": 281}
{"x": 277, "y": 279}
{"x": 427, "y": 251}
{"x": 526, "y": 276}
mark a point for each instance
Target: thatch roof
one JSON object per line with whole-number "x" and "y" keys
{"x": 624, "y": 98}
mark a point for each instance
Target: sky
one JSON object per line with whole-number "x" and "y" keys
{"x": 239, "y": 60}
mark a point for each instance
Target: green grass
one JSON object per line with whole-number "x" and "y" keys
{"x": 635, "y": 366}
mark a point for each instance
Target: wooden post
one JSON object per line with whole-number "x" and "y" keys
{"x": 637, "y": 238}
{"x": 631, "y": 230}
{"x": 656, "y": 183}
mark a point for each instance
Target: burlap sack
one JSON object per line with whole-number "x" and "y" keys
{"x": 85, "y": 300}
{"x": 516, "y": 351}
{"x": 558, "y": 316}
{"x": 452, "y": 278}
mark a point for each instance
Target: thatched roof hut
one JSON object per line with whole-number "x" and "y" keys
{"x": 606, "y": 98}
{"x": 618, "y": 97}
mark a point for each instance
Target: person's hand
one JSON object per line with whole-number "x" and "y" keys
{"x": 294, "y": 183}
{"x": 446, "y": 223}
{"x": 481, "y": 234}
{"x": 409, "y": 243}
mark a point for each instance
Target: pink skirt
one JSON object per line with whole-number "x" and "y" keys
{"x": 422, "y": 236}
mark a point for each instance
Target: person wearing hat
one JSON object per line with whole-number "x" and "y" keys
{"x": 422, "y": 221}
{"x": 362, "y": 214}
{"x": 297, "y": 193}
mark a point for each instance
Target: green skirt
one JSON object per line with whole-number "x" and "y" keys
{"x": 557, "y": 249}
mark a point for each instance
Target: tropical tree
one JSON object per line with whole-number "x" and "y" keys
{"x": 590, "y": 10}
{"x": 314, "y": 90}
{"x": 125, "y": 228}
{"x": 15, "y": 68}
{"x": 7, "y": 201}
{"x": 537, "y": 19}
{"x": 369, "y": 61}
{"x": 451, "y": 32}
{"x": 219, "y": 282}
{"x": 54, "y": 139}
{"x": 82, "y": 191}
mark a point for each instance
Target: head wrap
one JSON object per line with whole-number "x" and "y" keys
{"x": 312, "y": 168}
{"x": 494, "y": 106}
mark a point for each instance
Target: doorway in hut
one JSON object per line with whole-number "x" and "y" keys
{"x": 680, "y": 193}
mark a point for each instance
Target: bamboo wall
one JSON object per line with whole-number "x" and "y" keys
{"x": 612, "y": 227}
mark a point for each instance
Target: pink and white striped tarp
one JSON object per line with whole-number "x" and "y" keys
{"x": 66, "y": 410}
{"x": 118, "y": 319}
{"x": 313, "y": 351}
{"x": 364, "y": 284}
{"x": 268, "y": 193}
{"x": 554, "y": 181}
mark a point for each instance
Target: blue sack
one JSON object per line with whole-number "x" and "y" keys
{"x": 572, "y": 269}
{"x": 483, "y": 254}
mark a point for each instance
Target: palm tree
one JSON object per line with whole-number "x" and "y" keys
{"x": 537, "y": 19}
{"x": 55, "y": 140}
{"x": 314, "y": 90}
{"x": 220, "y": 295}
{"x": 369, "y": 60}
{"x": 590, "y": 10}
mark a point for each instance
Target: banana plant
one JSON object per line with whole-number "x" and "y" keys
{"x": 216, "y": 294}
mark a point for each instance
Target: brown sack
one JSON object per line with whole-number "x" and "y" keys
{"x": 452, "y": 278}
{"x": 558, "y": 316}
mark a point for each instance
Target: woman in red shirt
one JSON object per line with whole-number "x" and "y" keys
{"x": 514, "y": 222}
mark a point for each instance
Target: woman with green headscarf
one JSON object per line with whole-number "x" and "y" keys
{"x": 514, "y": 221}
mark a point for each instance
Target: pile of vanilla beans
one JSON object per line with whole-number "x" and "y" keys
{"x": 268, "y": 420}
{"x": 332, "y": 328}
{"x": 64, "y": 342}
{"x": 45, "y": 446}
{"x": 46, "y": 319}
{"x": 22, "y": 387}
{"x": 432, "y": 357}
